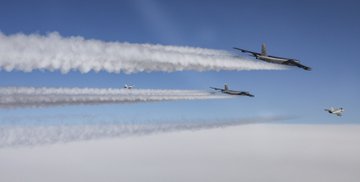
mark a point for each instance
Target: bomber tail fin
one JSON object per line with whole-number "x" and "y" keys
{"x": 263, "y": 50}
{"x": 226, "y": 87}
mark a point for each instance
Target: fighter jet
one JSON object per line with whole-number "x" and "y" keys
{"x": 128, "y": 86}
{"x": 226, "y": 90}
{"x": 337, "y": 111}
{"x": 274, "y": 59}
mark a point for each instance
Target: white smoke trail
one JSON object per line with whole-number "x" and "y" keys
{"x": 13, "y": 97}
{"x": 56, "y": 53}
{"x": 32, "y": 135}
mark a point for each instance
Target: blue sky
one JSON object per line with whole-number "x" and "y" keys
{"x": 322, "y": 34}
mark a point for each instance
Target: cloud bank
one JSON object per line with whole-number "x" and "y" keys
{"x": 53, "y": 52}
{"x": 17, "y": 97}
{"x": 254, "y": 152}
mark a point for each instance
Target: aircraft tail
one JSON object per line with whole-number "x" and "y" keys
{"x": 263, "y": 50}
{"x": 226, "y": 87}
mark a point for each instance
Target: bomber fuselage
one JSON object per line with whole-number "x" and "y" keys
{"x": 234, "y": 92}
{"x": 271, "y": 59}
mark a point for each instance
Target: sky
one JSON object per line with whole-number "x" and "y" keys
{"x": 321, "y": 34}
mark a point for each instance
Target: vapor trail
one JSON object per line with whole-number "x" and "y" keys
{"x": 14, "y": 97}
{"x": 56, "y": 53}
{"x": 32, "y": 135}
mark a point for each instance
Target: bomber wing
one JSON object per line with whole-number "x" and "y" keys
{"x": 247, "y": 94}
{"x": 217, "y": 88}
{"x": 295, "y": 63}
{"x": 255, "y": 54}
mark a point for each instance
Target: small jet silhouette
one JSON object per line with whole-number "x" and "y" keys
{"x": 337, "y": 111}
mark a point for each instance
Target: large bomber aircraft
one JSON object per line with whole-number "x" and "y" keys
{"x": 226, "y": 90}
{"x": 274, "y": 59}
{"x": 337, "y": 111}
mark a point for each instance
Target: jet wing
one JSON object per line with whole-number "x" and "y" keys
{"x": 247, "y": 94}
{"x": 255, "y": 54}
{"x": 217, "y": 88}
{"x": 294, "y": 63}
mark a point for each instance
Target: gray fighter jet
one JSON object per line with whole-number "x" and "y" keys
{"x": 337, "y": 111}
{"x": 126, "y": 86}
{"x": 274, "y": 59}
{"x": 226, "y": 90}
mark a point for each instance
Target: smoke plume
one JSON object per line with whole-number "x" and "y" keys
{"x": 53, "y": 52}
{"x": 12, "y": 135}
{"x": 15, "y": 97}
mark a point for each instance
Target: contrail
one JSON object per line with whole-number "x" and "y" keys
{"x": 13, "y": 135}
{"x": 15, "y": 97}
{"x": 53, "y": 52}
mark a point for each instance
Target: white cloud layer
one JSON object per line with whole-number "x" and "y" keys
{"x": 256, "y": 153}
{"x": 56, "y": 53}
